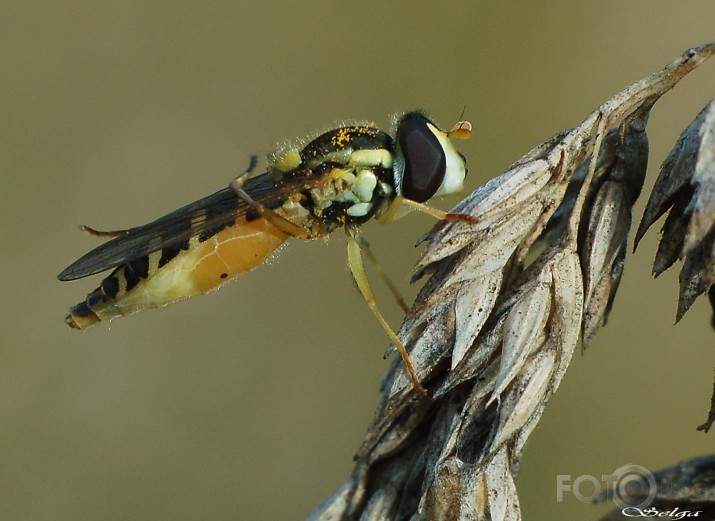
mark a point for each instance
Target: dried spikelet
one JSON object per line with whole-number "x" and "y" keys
{"x": 618, "y": 181}
{"x": 686, "y": 486}
{"x": 685, "y": 188}
{"x": 495, "y": 326}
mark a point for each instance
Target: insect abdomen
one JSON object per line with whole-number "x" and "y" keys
{"x": 203, "y": 266}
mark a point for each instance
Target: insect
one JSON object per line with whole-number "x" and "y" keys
{"x": 342, "y": 178}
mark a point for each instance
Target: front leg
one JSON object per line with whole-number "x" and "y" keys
{"x": 400, "y": 205}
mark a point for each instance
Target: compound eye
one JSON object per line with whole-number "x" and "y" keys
{"x": 423, "y": 156}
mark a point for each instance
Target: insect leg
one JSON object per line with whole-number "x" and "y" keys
{"x": 277, "y": 220}
{"x": 252, "y": 162}
{"x": 395, "y": 211}
{"x": 241, "y": 179}
{"x": 365, "y": 247}
{"x": 358, "y": 271}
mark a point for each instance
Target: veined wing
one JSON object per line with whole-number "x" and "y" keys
{"x": 204, "y": 218}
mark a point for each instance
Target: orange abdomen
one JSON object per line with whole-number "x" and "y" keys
{"x": 200, "y": 268}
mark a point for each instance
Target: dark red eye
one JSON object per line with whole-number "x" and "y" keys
{"x": 423, "y": 156}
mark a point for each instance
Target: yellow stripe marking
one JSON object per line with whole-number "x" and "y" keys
{"x": 232, "y": 251}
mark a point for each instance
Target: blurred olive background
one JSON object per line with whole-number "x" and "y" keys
{"x": 249, "y": 403}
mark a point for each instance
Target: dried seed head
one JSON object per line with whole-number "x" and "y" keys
{"x": 688, "y": 485}
{"x": 686, "y": 189}
{"x": 494, "y": 329}
{"x": 603, "y": 240}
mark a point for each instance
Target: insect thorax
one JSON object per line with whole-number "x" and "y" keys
{"x": 352, "y": 167}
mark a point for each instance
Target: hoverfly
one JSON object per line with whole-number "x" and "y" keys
{"x": 342, "y": 178}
